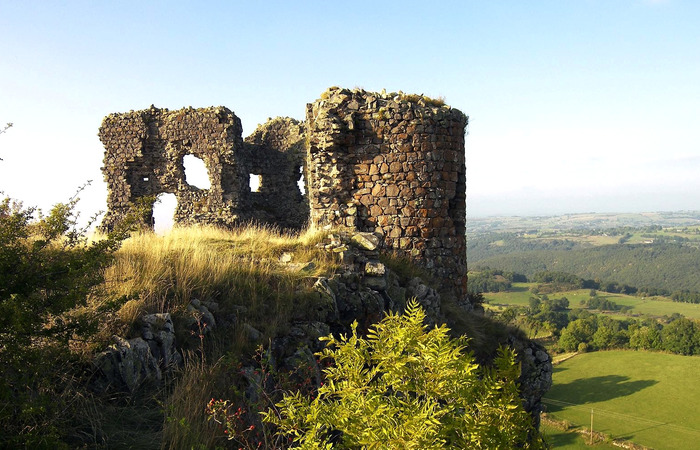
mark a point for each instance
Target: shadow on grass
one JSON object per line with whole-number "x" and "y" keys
{"x": 630, "y": 435}
{"x": 596, "y": 389}
{"x": 558, "y": 438}
{"x": 518, "y": 289}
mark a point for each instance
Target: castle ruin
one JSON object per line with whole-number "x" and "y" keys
{"x": 393, "y": 164}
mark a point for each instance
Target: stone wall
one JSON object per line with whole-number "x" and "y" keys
{"x": 386, "y": 163}
{"x": 144, "y": 153}
{"x": 277, "y": 152}
{"x": 392, "y": 164}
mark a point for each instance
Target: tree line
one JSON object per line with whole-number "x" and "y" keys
{"x": 496, "y": 280}
{"x": 661, "y": 268}
{"x": 581, "y": 330}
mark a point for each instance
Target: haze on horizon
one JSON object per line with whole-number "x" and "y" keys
{"x": 586, "y": 106}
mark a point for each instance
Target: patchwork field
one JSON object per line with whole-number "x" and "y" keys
{"x": 648, "y": 398}
{"x": 650, "y": 306}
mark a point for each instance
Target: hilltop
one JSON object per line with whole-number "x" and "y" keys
{"x": 206, "y": 313}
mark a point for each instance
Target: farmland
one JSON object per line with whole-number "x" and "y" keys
{"x": 520, "y": 294}
{"x": 646, "y": 397}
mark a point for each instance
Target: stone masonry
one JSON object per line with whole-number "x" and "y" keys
{"x": 392, "y": 164}
{"x": 144, "y": 153}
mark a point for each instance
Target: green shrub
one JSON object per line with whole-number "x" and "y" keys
{"x": 404, "y": 386}
{"x": 47, "y": 272}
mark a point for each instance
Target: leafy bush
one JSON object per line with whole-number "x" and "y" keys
{"x": 47, "y": 271}
{"x": 681, "y": 336}
{"x": 577, "y": 332}
{"x": 404, "y": 386}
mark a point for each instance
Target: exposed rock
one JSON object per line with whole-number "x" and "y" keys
{"x": 200, "y": 319}
{"x": 302, "y": 267}
{"x": 366, "y": 241}
{"x": 386, "y": 169}
{"x": 535, "y": 374}
{"x": 252, "y": 334}
{"x": 129, "y": 364}
{"x": 394, "y": 165}
{"x": 426, "y": 296}
{"x": 144, "y": 153}
{"x": 375, "y": 269}
{"x": 158, "y": 331}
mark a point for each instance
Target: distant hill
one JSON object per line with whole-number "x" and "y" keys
{"x": 665, "y": 266}
{"x": 586, "y": 221}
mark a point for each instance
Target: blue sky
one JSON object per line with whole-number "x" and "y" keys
{"x": 575, "y": 106}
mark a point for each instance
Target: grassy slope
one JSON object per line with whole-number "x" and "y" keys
{"x": 648, "y": 398}
{"x": 239, "y": 269}
{"x": 653, "y": 306}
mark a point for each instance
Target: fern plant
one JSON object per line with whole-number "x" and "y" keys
{"x": 405, "y": 386}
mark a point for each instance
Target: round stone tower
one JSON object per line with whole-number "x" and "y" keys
{"x": 392, "y": 164}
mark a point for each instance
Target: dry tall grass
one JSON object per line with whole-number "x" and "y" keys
{"x": 241, "y": 270}
{"x": 233, "y": 267}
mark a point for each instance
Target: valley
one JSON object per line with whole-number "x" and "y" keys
{"x": 608, "y": 295}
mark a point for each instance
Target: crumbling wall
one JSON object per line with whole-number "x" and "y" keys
{"x": 277, "y": 156}
{"x": 144, "y": 153}
{"x": 386, "y": 163}
{"x": 393, "y": 164}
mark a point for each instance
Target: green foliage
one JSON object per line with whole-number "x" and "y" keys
{"x": 557, "y": 277}
{"x": 645, "y": 338}
{"x": 602, "y": 304}
{"x": 627, "y": 389}
{"x": 492, "y": 280}
{"x": 681, "y": 336}
{"x": 607, "y": 337}
{"x": 489, "y": 245}
{"x": 577, "y": 332}
{"x": 405, "y": 386}
{"x": 686, "y": 296}
{"x": 47, "y": 272}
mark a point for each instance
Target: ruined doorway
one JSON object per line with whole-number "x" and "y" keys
{"x": 164, "y": 213}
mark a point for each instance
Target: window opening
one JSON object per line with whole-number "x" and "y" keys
{"x": 164, "y": 213}
{"x": 196, "y": 173}
{"x": 302, "y": 181}
{"x": 255, "y": 182}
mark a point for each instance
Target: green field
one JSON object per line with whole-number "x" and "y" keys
{"x": 570, "y": 440}
{"x": 520, "y": 295}
{"x": 648, "y": 398}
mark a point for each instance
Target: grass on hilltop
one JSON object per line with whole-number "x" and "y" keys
{"x": 153, "y": 273}
{"x": 239, "y": 269}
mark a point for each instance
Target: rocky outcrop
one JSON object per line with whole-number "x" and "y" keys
{"x": 535, "y": 374}
{"x": 129, "y": 364}
{"x": 363, "y": 289}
